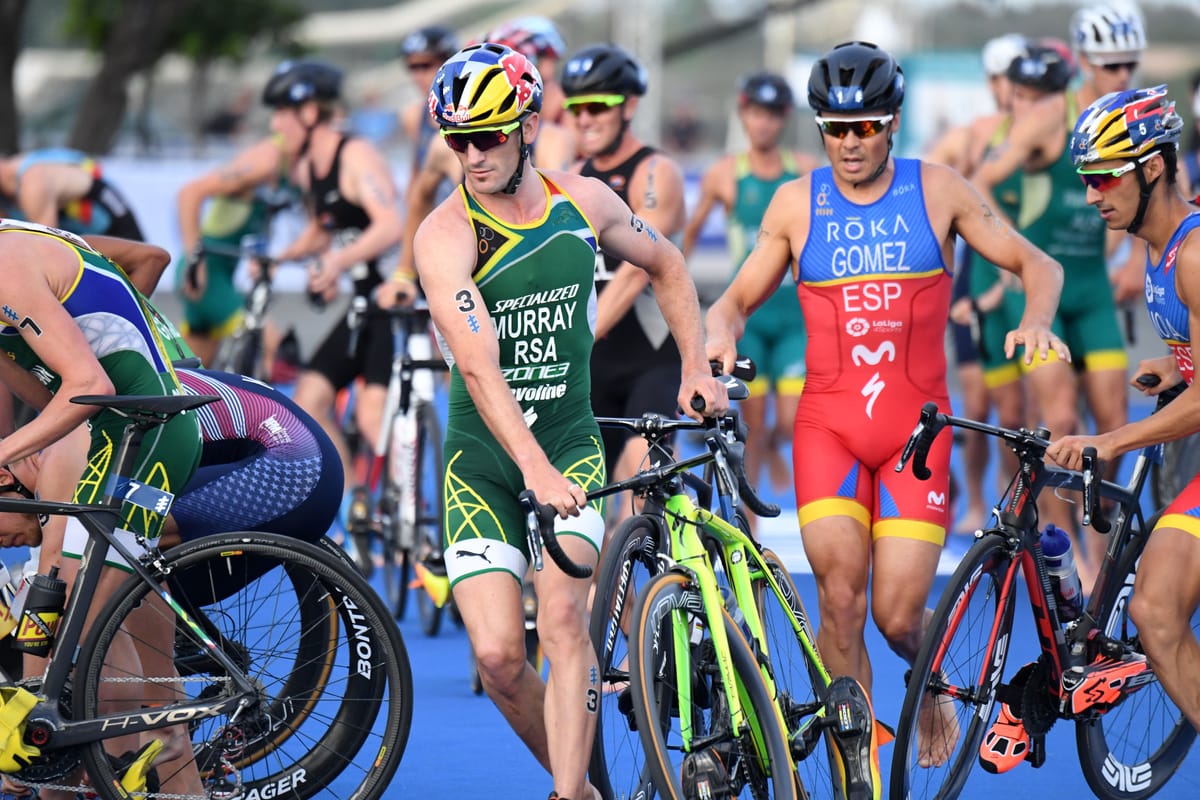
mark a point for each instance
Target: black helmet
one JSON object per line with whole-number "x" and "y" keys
{"x": 856, "y": 76}
{"x": 1046, "y": 66}
{"x": 766, "y": 89}
{"x": 297, "y": 82}
{"x": 603, "y": 69}
{"x": 436, "y": 39}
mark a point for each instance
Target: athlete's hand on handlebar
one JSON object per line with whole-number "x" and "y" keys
{"x": 1156, "y": 375}
{"x": 699, "y": 385}
{"x": 195, "y": 275}
{"x": 552, "y": 488}
{"x": 1036, "y": 339}
{"x": 323, "y": 278}
{"x": 1068, "y": 451}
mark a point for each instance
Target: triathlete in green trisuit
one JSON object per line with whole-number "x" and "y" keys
{"x": 507, "y": 265}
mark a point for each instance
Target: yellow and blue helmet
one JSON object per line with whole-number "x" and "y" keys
{"x": 485, "y": 85}
{"x": 1125, "y": 125}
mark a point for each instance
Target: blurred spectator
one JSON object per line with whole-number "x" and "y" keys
{"x": 65, "y": 189}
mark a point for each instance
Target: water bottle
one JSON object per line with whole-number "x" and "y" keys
{"x": 1064, "y": 578}
{"x": 40, "y": 614}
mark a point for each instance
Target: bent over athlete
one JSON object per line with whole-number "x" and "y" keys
{"x": 872, "y": 260}
{"x": 508, "y": 266}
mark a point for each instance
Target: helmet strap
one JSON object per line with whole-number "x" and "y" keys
{"x": 1147, "y": 188}
{"x": 515, "y": 181}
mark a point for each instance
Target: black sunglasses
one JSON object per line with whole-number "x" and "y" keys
{"x": 483, "y": 140}
{"x": 1123, "y": 65}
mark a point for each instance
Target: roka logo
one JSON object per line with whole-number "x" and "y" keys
{"x": 857, "y": 326}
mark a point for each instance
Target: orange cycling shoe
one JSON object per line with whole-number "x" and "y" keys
{"x": 1105, "y": 682}
{"x": 1006, "y": 743}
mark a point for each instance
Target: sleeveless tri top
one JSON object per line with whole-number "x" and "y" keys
{"x": 1167, "y": 312}
{"x": 344, "y": 219}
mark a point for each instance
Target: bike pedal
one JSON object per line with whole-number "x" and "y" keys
{"x": 1037, "y": 751}
{"x": 853, "y": 722}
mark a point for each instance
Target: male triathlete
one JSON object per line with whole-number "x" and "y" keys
{"x": 1125, "y": 148}
{"x": 66, "y": 189}
{"x": 242, "y": 195}
{"x": 872, "y": 239}
{"x": 508, "y": 268}
{"x": 635, "y": 360}
{"x": 743, "y": 184}
{"x": 423, "y": 52}
{"x": 351, "y": 201}
{"x": 1054, "y": 216}
{"x": 76, "y": 326}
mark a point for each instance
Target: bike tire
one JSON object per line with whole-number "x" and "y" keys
{"x": 396, "y": 571}
{"x": 972, "y": 607}
{"x": 801, "y": 680}
{"x": 759, "y": 751}
{"x": 1134, "y": 748}
{"x": 428, "y": 532}
{"x": 351, "y": 737}
{"x": 617, "y": 767}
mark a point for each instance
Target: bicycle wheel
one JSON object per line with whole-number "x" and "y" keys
{"x": 959, "y": 665}
{"x": 396, "y": 559}
{"x": 339, "y": 730}
{"x": 618, "y": 763}
{"x": 800, "y": 680}
{"x": 671, "y": 638}
{"x": 428, "y": 502}
{"x": 1136, "y": 746}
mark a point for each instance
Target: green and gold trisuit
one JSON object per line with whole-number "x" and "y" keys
{"x": 1070, "y": 231}
{"x": 774, "y": 336}
{"x": 130, "y": 342}
{"x": 227, "y": 221}
{"x": 537, "y": 282}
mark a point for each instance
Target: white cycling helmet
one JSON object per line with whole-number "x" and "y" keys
{"x": 998, "y": 53}
{"x": 1108, "y": 33}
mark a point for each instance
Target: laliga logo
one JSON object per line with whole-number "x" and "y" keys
{"x": 1149, "y": 290}
{"x": 857, "y": 326}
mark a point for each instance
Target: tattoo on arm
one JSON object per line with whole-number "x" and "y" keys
{"x": 640, "y": 226}
{"x": 233, "y": 174}
{"x": 379, "y": 193}
{"x": 651, "y": 197}
{"x": 997, "y": 224}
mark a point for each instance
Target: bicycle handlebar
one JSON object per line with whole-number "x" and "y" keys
{"x": 932, "y": 422}
{"x": 540, "y": 521}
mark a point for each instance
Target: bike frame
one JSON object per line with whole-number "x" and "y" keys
{"x": 100, "y": 521}
{"x": 1064, "y": 647}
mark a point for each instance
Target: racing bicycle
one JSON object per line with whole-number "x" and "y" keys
{"x": 405, "y": 468}
{"x": 1090, "y": 669}
{"x": 713, "y": 682}
{"x": 265, "y": 661}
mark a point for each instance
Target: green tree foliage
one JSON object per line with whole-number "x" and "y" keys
{"x": 133, "y": 35}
